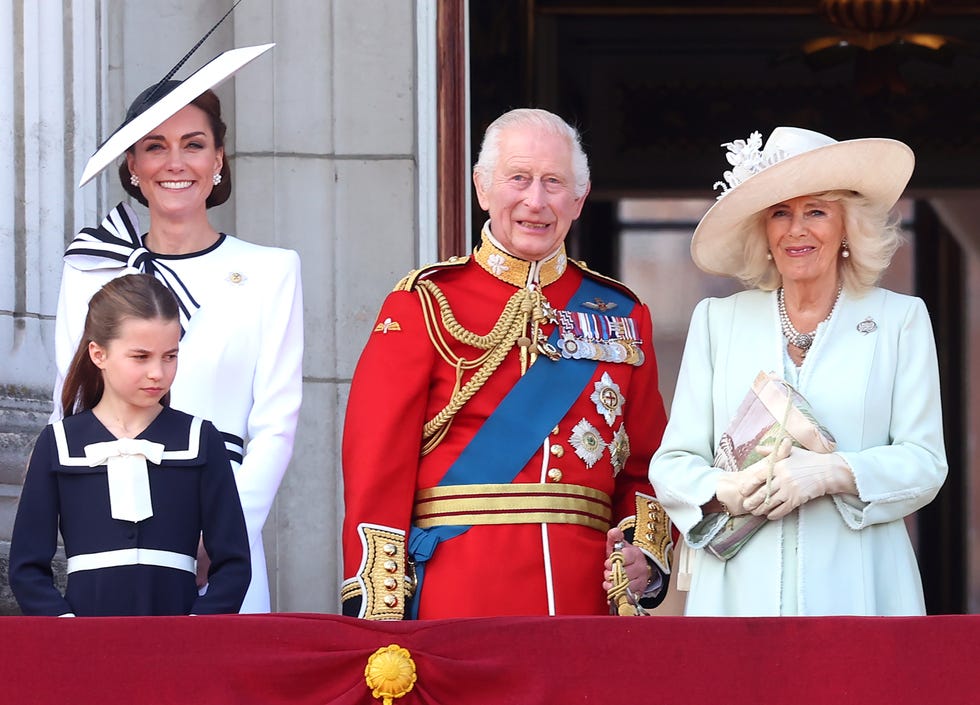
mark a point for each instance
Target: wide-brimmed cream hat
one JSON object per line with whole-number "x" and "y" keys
{"x": 794, "y": 162}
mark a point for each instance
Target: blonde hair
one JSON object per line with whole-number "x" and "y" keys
{"x": 873, "y": 237}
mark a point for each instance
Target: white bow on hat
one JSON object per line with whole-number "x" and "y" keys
{"x": 129, "y": 480}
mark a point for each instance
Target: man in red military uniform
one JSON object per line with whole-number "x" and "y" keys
{"x": 503, "y": 414}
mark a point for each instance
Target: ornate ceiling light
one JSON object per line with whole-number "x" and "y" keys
{"x": 872, "y": 16}
{"x": 870, "y": 24}
{"x": 878, "y": 31}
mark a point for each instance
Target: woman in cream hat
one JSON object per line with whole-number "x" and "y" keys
{"x": 804, "y": 222}
{"x": 241, "y": 306}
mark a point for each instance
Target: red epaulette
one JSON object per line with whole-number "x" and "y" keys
{"x": 407, "y": 283}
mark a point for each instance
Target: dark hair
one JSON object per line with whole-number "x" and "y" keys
{"x": 209, "y": 103}
{"x": 139, "y": 296}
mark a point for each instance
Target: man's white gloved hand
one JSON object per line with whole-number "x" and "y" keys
{"x": 798, "y": 478}
{"x": 734, "y": 488}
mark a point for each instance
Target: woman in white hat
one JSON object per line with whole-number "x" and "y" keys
{"x": 241, "y": 308}
{"x": 804, "y": 223}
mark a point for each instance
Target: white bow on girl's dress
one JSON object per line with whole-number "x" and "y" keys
{"x": 129, "y": 480}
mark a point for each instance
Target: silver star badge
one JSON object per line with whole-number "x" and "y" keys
{"x": 608, "y": 399}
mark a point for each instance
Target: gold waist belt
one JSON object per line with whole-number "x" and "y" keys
{"x": 525, "y": 503}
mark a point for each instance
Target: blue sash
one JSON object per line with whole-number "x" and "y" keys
{"x": 515, "y": 430}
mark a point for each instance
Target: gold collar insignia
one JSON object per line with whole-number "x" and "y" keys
{"x": 515, "y": 271}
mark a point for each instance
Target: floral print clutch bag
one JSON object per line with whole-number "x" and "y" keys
{"x": 771, "y": 410}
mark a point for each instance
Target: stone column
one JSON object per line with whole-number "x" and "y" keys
{"x": 45, "y": 92}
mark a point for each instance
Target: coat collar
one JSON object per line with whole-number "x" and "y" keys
{"x": 492, "y": 256}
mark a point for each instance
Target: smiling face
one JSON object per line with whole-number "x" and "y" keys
{"x": 805, "y": 236}
{"x": 176, "y": 164}
{"x": 139, "y": 366}
{"x": 530, "y": 196}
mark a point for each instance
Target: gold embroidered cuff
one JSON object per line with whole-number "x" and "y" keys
{"x": 381, "y": 582}
{"x": 651, "y": 533}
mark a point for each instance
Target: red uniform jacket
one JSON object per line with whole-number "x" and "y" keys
{"x": 401, "y": 382}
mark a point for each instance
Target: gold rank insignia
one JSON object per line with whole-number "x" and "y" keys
{"x": 387, "y": 325}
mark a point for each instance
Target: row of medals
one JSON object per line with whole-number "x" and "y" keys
{"x": 588, "y": 336}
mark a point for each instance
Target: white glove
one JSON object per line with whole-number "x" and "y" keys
{"x": 734, "y": 487}
{"x": 797, "y": 479}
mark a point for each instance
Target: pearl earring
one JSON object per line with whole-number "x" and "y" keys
{"x": 844, "y": 251}
{"x": 216, "y": 179}
{"x": 134, "y": 180}
{"x": 769, "y": 256}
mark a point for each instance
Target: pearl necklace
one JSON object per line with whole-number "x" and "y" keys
{"x": 803, "y": 341}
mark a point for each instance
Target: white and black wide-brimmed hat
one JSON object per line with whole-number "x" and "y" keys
{"x": 168, "y": 96}
{"x": 164, "y": 99}
{"x": 794, "y": 162}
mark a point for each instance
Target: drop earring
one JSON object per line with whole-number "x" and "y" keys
{"x": 769, "y": 256}
{"x": 844, "y": 251}
{"x": 216, "y": 179}
{"x": 134, "y": 180}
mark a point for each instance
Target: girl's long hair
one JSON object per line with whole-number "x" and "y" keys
{"x": 139, "y": 296}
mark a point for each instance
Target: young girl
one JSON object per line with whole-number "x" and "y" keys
{"x": 131, "y": 483}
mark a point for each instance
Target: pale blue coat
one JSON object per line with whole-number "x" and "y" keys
{"x": 877, "y": 392}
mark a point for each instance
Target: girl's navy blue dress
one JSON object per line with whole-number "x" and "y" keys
{"x": 119, "y": 566}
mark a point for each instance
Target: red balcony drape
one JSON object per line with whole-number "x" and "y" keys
{"x": 321, "y": 660}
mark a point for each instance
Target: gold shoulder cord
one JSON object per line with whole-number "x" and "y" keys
{"x": 524, "y": 308}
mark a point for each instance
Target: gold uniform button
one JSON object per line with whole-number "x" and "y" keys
{"x": 391, "y": 583}
{"x": 554, "y": 431}
{"x": 391, "y": 566}
{"x": 390, "y": 549}
{"x": 391, "y": 601}
{"x": 557, "y": 450}
{"x": 554, "y": 475}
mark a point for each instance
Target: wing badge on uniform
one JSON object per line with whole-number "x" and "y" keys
{"x": 598, "y": 304}
{"x": 387, "y": 325}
